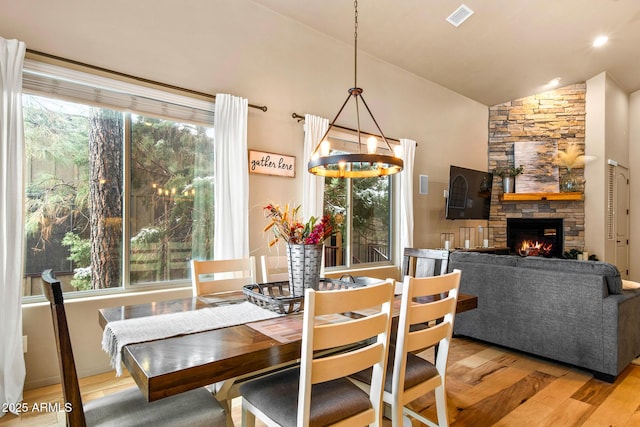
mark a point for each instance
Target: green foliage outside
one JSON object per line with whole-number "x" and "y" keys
{"x": 370, "y": 211}
{"x": 164, "y": 155}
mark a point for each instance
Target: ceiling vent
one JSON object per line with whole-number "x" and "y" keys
{"x": 460, "y": 15}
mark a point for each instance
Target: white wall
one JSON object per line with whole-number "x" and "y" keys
{"x": 238, "y": 47}
{"x": 595, "y": 171}
{"x": 607, "y": 137}
{"x": 634, "y": 186}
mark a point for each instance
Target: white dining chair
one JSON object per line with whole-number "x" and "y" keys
{"x": 285, "y": 398}
{"x": 426, "y": 300}
{"x": 214, "y": 276}
{"x": 274, "y": 268}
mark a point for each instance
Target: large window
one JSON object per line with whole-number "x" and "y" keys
{"x": 118, "y": 183}
{"x": 363, "y": 211}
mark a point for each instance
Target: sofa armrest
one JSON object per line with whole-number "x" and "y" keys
{"x": 621, "y": 326}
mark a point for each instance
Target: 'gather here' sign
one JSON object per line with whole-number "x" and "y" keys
{"x": 271, "y": 164}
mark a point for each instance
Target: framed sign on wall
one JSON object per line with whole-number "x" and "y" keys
{"x": 272, "y": 164}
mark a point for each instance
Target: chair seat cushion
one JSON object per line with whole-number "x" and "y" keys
{"x": 277, "y": 397}
{"x": 417, "y": 371}
{"x": 130, "y": 408}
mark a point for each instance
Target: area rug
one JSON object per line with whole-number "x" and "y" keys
{"x": 636, "y": 361}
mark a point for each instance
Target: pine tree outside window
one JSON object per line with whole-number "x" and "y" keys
{"x": 119, "y": 181}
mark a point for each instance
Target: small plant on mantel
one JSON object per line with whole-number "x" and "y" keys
{"x": 508, "y": 174}
{"x": 508, "y": 171}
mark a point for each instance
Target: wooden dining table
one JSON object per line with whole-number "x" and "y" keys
{"x": 169, "y": 366}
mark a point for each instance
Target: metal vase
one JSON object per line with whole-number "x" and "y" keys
{"x": 304, "y": 262}
{"x": 509, "y": 184}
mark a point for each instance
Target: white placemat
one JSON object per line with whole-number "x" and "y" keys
{"x": 119, "y": 333}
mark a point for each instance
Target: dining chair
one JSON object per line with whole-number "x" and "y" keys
{"x": 274, "y": 268}
{"x": 424, "y": 262}
{"x": 408, "y": 375}
{"x": 318, "y": 392}
{"x": 417, "y": 262}
{"x": 127, "y": 407}
{"x": 208, "y": 277}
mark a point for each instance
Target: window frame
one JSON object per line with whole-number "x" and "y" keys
{"x": 39, "y": 79}
{"x": 347, "y": 140}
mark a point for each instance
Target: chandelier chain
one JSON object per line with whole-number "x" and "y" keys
{"x": 355, "y": 44}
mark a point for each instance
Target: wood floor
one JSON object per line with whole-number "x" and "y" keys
{"x": 487, "y": 386}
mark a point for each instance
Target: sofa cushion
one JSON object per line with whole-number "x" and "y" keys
{"x": 492, "y": 259}
{"x": 608, "y": 271}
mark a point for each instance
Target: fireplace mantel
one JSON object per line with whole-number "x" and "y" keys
{"x": 518, "y": 197}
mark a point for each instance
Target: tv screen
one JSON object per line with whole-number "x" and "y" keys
{"x": 469, "y": 194}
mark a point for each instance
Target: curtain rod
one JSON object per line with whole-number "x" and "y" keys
{"x": 299, "y": 118}
{"x": 129, "y": 76}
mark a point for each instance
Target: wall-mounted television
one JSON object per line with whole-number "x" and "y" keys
{"x": 469, "y": 194}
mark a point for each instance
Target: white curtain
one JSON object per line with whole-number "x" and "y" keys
{"x": 231, "y": 229}
{"x": 406, "y": 194}
{"x": 312, "y": 185}
{"x": 12, "y": 368}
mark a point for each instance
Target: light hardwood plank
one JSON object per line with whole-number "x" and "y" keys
{"x": 486, "y": 386}
{"x": 620, "y": 405}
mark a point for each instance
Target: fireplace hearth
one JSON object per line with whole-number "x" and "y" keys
{"x": 535, "y": 236}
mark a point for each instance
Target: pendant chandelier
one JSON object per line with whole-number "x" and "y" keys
{"x": 355, "y": 165}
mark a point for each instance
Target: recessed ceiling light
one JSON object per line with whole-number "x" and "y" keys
{"x": 600, "y": 41}
{"x": 554, "y": 82}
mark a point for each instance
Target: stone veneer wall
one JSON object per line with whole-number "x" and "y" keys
{"x": 557, "y": 116}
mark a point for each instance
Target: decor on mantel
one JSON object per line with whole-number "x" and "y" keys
{"x": 355, "y": 165}
{"x": 570, "y": 159}
{"x": 305, "y": 243}
{"x": 508, "y": 175}
{"x": 538, "y": 159}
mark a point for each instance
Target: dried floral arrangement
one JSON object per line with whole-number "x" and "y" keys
{"x": 287, "y": 226}
{"x": 571, "y": 158}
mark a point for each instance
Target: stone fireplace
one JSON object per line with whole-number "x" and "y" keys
{"x": 536, "y": 236}
{"x": 556, "y": 116}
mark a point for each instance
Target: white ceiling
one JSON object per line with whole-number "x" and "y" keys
{"x": 506, "y": 50}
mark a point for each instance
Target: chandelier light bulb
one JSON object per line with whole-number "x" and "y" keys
{"x": 372, "y": 145}
{"x": 398, "y": 151}
{"x": 325, "y": 148}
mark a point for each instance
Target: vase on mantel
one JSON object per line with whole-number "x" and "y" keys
{"x": 508, "y": 183}
{"x": 304, "y": 262}
{"x": 568, "y": 183}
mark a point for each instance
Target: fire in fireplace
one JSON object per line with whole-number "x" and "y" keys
{"x": 535, "y": 236}
{"x": 531, "y": 248}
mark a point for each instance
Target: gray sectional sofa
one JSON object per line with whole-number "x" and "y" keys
{"x": 575, "y": 312}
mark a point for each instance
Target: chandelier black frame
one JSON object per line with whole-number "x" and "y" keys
{"x": 354, "y": 165}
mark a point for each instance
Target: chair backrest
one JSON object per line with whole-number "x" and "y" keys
{"x": 274, "y": 268}
{"x": 426, "y": 300}
{"x": 209, "y": 277}
{"x": 424, "y": 262}
{"x": 319, "y": 335}
{"x": 69, "y": 377}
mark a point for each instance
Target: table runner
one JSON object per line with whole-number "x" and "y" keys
{"x": 119, "y": 333}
